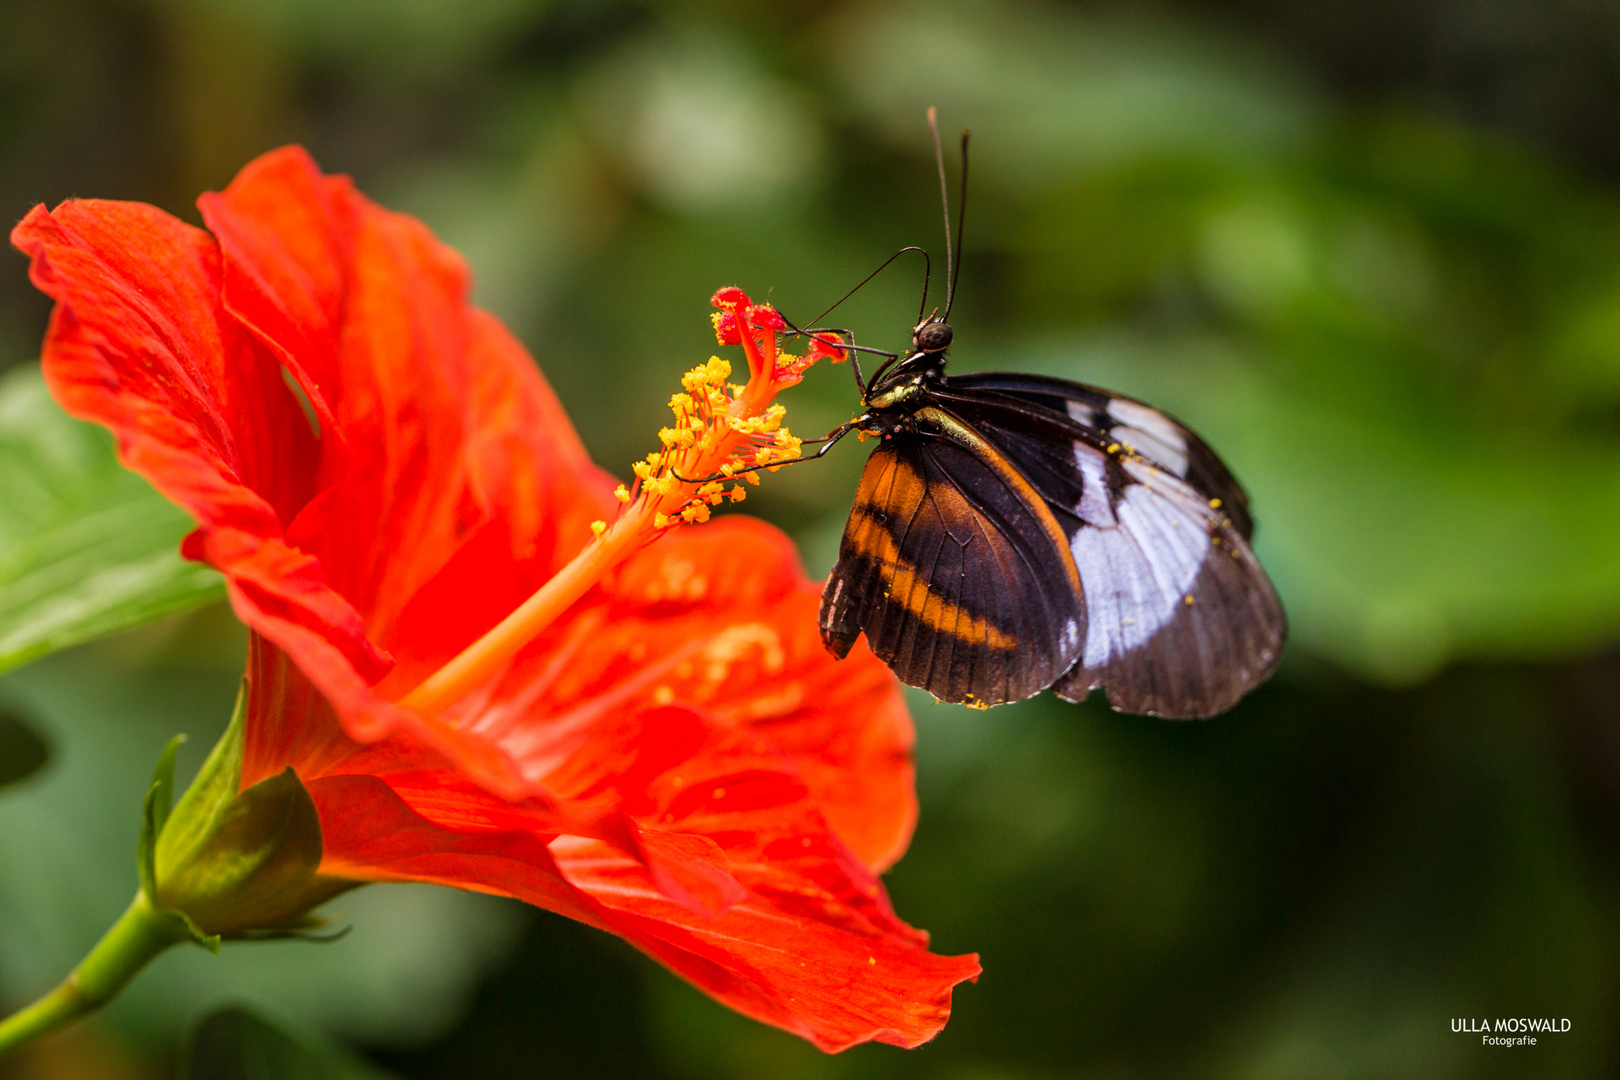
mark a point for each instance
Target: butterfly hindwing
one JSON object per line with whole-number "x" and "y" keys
{"x": 955, "y": 569}
{"x": 1181, "y": 619}
{"x": 1187, "y": 621}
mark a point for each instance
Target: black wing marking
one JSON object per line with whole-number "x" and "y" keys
{"x": 1151, "y": 432}
{"x": 955, "y": 570}
{"x": 1181, "y": 618}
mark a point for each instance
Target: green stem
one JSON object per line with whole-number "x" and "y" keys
{"x": 140, "y": 934}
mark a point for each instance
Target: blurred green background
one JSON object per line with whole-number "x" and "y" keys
{"x": 1371, "y": 251}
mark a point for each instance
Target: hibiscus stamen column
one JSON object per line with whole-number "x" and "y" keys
{"x": 720, "y": 429}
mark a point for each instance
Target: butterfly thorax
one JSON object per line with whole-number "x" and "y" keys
{"x": 904, "y": 387}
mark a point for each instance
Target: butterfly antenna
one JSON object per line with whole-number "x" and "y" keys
{"x": 945, "y": 203}
{"x": 961, "y": 216}
{"x": 928, "y": 267}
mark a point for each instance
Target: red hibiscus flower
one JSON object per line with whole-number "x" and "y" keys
{"x": 661, "y": 748}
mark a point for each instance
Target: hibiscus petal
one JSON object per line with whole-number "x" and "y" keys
{"x": 810, "y": 944}
{"x": 139, "y": 342}
{"x": 722, "y": 618}
{"x": 802, "y": 969}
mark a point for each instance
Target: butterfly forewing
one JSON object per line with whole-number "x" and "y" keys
{"x": 1181, "y": 619}
{"x": 1152, "y": 433}
{"x": 955, "y": 569}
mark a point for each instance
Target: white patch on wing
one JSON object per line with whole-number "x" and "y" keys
{"x": 1095, "y": 507}
{"x": 1082, "y": 412}
{"x": 1152, "y": 449}
{"x": 1138, "y": 574}
{"x": 1150, "y": 433}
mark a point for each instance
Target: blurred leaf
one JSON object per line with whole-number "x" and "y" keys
{"x": 22, "y": 752}
{"x": 1052, "y": 93}
{"x": 390, "y": 40}
{"x": 87, "y": 548}
{"x": 235, "y": 1044}
{"x": 701, "y": 124}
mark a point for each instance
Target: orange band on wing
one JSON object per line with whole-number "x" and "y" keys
{"x": 901, "y": 580}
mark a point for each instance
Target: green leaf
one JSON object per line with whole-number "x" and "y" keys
{"x": 235, "y": 1044}
{"x": 22, "y": 751}
{"x": 87, "y": 548}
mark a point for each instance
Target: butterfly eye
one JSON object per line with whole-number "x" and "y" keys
{"x": 934, "y": 337}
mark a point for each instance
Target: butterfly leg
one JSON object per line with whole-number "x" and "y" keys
{"x": 848, "y": 338}
{"x": 847, "y": 343}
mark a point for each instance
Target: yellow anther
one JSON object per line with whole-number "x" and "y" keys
{"x": 598, "y": 528}
{"x": 660, "y": 521}
{"x": 752, "y": 478}
{"x": 622, "y": 493}
{"x": 737, "y": 494}
{"x": 710, "y": 488}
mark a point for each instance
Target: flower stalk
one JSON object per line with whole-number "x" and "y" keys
{"x": 221, "y": 864}
{"x": 139, "y": 936}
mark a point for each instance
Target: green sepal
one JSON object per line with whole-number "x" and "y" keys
{"x": 212, "y": 790}
{"x": 254, "y": 868}
{"x": 243, "y": 864}
{"x": 233, "y": 865}
{"x": 208, "y": 941}
{"x": 311, "y": 934}
{"x": 155, "y": 814}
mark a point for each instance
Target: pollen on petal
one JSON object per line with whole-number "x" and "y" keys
{"x": 729, "y": 297}
{"x": 825, "y": 346}
{"x": 765, "y": 317}
{"x": 725, "y": 328}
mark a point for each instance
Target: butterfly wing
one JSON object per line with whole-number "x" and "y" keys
{"x": 1152, "y": 433}
{"x": 1181, "y": 618}
{"x": 955, "y": 569}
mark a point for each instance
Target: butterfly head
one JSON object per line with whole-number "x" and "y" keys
{"x": 932, "y": 336}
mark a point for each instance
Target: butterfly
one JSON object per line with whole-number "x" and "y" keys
{"x": 1013, "y": 533}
